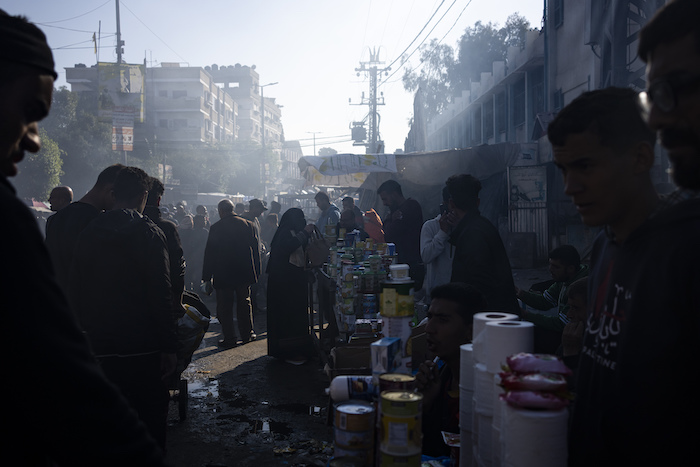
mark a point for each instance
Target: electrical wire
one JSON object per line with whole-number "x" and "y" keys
{"x": 418, "y": 47}
{"x": 151, "y": 31}
{"x": 74, "y": 17}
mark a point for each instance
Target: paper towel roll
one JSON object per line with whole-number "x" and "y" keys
{"x": 534, "y": 438}
{"x": 466, "y": 366}
{"x": 478, "y": 326}
{"x": 466, "y": 450}
{"x": 497, "y": 402}
{"x": 484, "y": 441}
{"x": 505, "y": 338}
{"x": 483, "y": 390}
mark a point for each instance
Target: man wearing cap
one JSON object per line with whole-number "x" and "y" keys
{"x": 82, "y": 405}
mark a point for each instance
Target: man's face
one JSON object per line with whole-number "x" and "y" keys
{"x": 599, "y": 180}
{"x": 347, "y": 205}
{"x": 322, "y": 204}
{"x": 23, "y": 103}
{"x": 679, "y": 128}
{"x": 560, "y": 272}
{"x": 577, "y": 309}
{"x": 389, "y": 199}
{"x": 256, "y": 211}
{"x": 446, "y": 330}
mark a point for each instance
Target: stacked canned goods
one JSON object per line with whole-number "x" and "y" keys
{"x": 400, "y": 429}
{"x": 354, "y": 431}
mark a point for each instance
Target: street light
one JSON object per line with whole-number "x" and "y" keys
{"x": 262, "y": 129}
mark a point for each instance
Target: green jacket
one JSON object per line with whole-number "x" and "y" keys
{"x": 555, "y": 295}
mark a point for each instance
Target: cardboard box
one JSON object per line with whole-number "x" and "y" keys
{"x": 349, "y": 360}
{"x": 386, "y": 356}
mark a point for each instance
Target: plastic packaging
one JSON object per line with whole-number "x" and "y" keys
{"x": 353, "y": 387}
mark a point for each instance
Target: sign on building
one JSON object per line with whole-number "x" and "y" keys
{"x": 120, "y": 86}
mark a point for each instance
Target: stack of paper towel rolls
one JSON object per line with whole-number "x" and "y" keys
{"x": 483, "y": 388}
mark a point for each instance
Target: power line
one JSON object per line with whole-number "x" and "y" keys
{"x": 417, "y": 35}
{"x": 419, "y": 45}
{"x": 321, "y": 137}
{"x": 74, "y": 17}
{"x": 81, "y": 42}
{"x": 455, "y": 23}
{"x": 151, "y": 31}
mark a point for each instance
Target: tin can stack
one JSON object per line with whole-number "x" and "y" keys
{"x": 354, "y": 432}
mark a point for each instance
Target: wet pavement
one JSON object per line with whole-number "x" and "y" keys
{"x": 248, "y": 409}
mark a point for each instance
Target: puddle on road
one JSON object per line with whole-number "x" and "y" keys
{"x": 203, "y": 388}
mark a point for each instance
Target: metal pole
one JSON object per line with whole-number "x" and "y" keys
{"x": 119, "y": 36}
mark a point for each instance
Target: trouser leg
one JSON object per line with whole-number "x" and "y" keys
{"x": 224, "y": 312}
{"x": 244, "y": 312}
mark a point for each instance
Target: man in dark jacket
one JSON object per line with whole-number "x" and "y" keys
{"x": 65, "y": 226}
{"x": 175, "y": 252}
{"x": 120, "y": 285}
{"x": 232, "y": 259}
{"x": 480, "y": 258}
{"x": 83, "y": 419}
{"x": 402, "y": 228}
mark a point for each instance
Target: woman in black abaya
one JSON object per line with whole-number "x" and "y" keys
{"x": 287, "y": 290}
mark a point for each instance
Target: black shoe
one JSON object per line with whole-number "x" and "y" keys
{"x": 251, "y": 338}
{"x": 227, "y": 344}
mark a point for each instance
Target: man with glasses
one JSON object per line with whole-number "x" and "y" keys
{"x": 670, "y": 46}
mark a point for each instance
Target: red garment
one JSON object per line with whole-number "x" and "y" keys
{"x": 373, "y": 226}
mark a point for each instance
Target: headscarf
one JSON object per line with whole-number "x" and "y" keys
{"x": 292, "y": 220}
{"x": 22, "y": 43}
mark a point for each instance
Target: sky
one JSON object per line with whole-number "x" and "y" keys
{"x": 311, "y": 48}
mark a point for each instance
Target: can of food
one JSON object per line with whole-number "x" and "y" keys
{"x": 400, "y": 423}
{"x": 397, "y": 382}
{"x": 333, "y": 254}
{"x": 389, "y": 460}
{"x": 354, "y": 439}
{"x": 375, "y": 263}
{"x": 401, "y": 403}
{"x": 390, "y": 249}
{"x": 381, "y": 249}
{"x": 399, "y": 272}
{"x": 355, "y": 416}
{"x": 333, "y": 271}
{"x": 369, "y": 304}
{"x": 365, "y": 456}
{"x": 396, "y": 298}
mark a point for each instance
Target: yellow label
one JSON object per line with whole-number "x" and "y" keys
{"x": 389, "y": 302}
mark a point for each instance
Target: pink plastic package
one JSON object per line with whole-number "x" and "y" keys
{"x": 550, "y": 382}
{"x": 536, "y": 363}
{"x": 534, "y": 400}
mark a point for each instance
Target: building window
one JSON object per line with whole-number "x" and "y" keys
{"x": 501, "y": 112}
{"x": 178, "y": 94}
{"x": 558, "y": 12}
{"x": 519, "y": 102}
{"x": 488, "y": 119}
{"x": 180, "y": 123}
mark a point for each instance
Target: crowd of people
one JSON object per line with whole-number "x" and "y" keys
{"x": 103, "y": 292}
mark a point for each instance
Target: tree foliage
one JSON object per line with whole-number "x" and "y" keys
{"x": 39, "y": 173}
{"x": 441, "y": 76}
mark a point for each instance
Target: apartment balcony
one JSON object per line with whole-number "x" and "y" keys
{"x": 180, "y": 135}
{"x": 182, "y": 104}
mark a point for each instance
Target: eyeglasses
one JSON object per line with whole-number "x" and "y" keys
{"x": 663, "y": 92}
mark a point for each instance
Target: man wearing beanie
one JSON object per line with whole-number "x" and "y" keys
{"x": 69, "y": 414}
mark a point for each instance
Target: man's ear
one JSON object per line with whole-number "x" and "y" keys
{"x": 644, "y": 157}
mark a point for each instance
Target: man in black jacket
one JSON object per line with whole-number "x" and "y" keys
{"x": 175, "y": 253}
{"x": 82, "y": 420}
{"x": 480, "y": 258}
{"x": 120, "y": 286}
{"x": 232, "y": 259}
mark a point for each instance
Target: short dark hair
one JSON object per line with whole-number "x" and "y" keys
{"x": 567, "y": 254}
{"x": 155, "y": 191}
{"x": 614, "y": 114}
{"x": 468, "y": 298}
{"x": 322, "y": 195}
{"x": 390, "y": 186}
{"x": 445, "y": 194}
{"x": 464, "y": 190}
{"x": 672, "y": 22}
{"x": 226, "y": 206}
{"x": 130, "y": 183}
{"x": 578, "y": 288}
{"x": 349, "y": 199}
{"x": 109, "y": 175}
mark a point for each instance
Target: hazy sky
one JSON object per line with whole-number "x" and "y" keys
{"x": 310, "y": 47}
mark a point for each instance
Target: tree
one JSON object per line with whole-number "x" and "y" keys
{"x": 85, "y": 142}
{"x": 441, "y": 77}
{"x": 327, "y": 152}
{"x": 40, "y": 172}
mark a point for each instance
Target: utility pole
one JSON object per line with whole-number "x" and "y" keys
{"x": 262, "y": 136}
{"x": 314, "y": 133}
{"x": 119, "y": 37}
{"x": 372, "y": 68}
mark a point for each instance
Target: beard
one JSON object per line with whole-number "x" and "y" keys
{"x": 683, "y": 148}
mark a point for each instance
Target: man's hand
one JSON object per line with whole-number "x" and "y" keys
{"x": 428, "y": 383}
{"x": 168, "y": 363}
{"x": 448, "y": 221}
{"x": 572, "y": 338}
